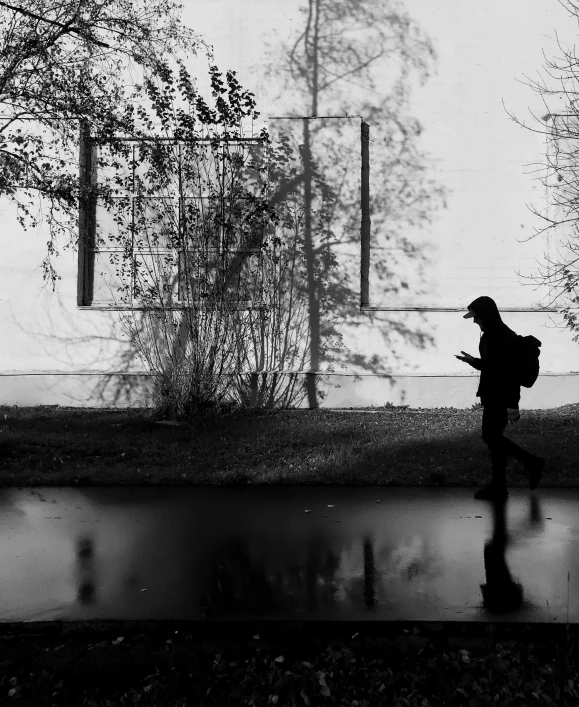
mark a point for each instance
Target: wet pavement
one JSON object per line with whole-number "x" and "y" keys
{"x": 298, "y": 553}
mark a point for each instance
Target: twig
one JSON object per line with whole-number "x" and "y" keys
{"x": 66, "y": 27}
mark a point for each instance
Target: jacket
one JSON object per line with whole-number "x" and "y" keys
{"x": 497, "y": 362}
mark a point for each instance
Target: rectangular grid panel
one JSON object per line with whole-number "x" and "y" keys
{"x": 178, "y": 216}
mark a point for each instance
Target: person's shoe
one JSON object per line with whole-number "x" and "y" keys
{"x": 535, "y": 469}
{"x": 492, "y": 493}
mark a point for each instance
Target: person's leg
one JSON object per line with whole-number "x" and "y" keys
{"x": 494, "y": 422}
{"x": 533, "y": 464}
{"x": 518, "y": 453}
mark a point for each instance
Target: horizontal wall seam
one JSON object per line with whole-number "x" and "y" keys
{"x": 511, "y": 310}
{"x": 319, "y": 373}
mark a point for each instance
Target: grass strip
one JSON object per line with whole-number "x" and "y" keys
{"x": 55, "y": 446}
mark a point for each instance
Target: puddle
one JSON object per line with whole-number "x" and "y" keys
{"x": 287, "y": 552}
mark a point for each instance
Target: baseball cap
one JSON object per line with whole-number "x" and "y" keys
{"x": 470, "y": 315}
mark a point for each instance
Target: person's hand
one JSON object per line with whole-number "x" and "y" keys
{"x": 467, "y": 358}
{"x": 513, "y": 414}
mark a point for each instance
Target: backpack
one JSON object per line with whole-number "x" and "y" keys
{"x": 528, "y": 352}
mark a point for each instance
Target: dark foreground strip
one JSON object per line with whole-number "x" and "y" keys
{"x": 357, "y": 664}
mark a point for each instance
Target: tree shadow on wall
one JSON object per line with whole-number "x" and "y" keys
{"x": 101, "y": 345}
{"x": 356, "y": 58}
{"x": 346, "y": 58}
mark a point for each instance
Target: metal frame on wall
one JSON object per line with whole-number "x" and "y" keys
{"x": 87, "y": 226}
{"x": 365, "y": 249}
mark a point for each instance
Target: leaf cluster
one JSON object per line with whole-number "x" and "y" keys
{"x": 75, "y": 62}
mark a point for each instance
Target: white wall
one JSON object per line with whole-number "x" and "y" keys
{"x": 482, "y": 157}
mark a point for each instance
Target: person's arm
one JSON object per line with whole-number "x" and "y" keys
{"x": 476, "y": 363}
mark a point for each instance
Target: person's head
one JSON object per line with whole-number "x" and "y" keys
{"x": 484, "y": 312}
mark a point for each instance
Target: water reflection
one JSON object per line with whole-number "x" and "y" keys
{"x": 501, "y": 593}
{"x": 85, "y": 570}
{"x": 369, "y": 574}
{"x": 216, "y": 553}
{"x": 318, "y": 581}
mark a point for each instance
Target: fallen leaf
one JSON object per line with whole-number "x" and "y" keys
{"x": 322, "y": 682}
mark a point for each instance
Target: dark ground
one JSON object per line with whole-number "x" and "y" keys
{"x": 250, "y": 664}
{"x": 167, "y": 663}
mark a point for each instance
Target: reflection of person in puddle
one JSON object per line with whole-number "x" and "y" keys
{"x": 85, "y": 549}
{"x": 501, "y": 593}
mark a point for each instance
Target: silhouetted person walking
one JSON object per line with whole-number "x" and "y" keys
{"x": 499, "y": 393}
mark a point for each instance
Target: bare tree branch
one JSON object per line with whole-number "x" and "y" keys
{"x": 66, "y": 27}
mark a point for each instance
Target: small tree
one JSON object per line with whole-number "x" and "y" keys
{"x": 209, "y": 246}
{"x": 217, "y": 291}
